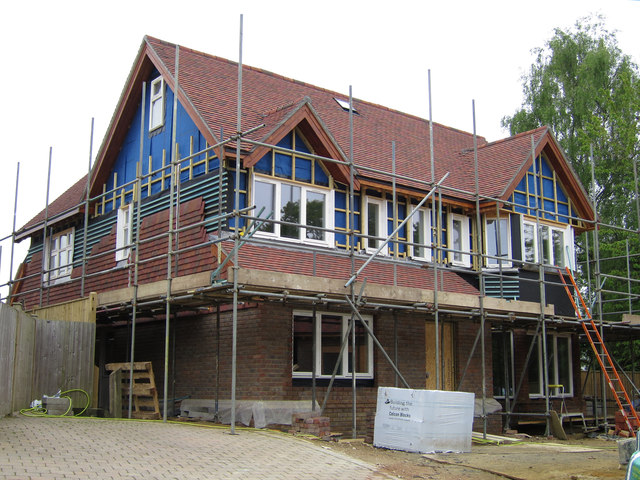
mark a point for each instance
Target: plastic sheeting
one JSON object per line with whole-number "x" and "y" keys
{"x": 423, "y": 421}
{"x": 263, "y": 413}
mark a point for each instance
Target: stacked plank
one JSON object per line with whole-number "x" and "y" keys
{"x": 144, "y": 401}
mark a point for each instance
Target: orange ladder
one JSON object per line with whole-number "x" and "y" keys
{"x": 604, "y": 359}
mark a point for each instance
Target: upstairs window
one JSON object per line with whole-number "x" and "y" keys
{"x": 459, "y": 240}
{"x": 123, "y": 232}
{"x": 304, "y": 206}
{"x": 497, "y": 236}
{"x": 156, "y": 104}
{"x": 556, "y": 244}
{"x": 421, "y": 234}
{"x": 60, "y": 256}
{"x": 374, "y": 224}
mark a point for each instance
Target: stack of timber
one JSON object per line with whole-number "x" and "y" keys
{"x": 144, "y": 402}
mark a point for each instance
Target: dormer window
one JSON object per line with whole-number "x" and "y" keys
{"x": 156, "y": 107}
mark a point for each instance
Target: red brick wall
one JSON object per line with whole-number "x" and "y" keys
{"x": 264, "y": 355}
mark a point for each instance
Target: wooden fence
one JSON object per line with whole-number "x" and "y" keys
{"x": 592, "y": 391}
{"x": 49, "y": 350}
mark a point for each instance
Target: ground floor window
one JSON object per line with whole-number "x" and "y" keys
{"x": 502, "y": 356}
{"x": 559, "y": 364}
{"x": 330, "y": 330}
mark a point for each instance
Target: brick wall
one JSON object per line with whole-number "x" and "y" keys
{"x": 264, "y": 357}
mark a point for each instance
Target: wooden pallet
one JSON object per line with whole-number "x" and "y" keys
{"x": 144, "y": 395}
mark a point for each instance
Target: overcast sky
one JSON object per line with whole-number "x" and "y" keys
{"x": 65, "y": 62}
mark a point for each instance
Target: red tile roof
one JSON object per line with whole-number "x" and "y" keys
{"x": 208, "y": 90}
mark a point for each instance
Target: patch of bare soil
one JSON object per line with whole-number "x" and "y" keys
{"x": 536, "y": 459}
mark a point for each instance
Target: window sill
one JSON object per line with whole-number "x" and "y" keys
{"x": 338, "y": 382}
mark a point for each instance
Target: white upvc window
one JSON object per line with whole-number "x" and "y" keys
{"x": 556, "y": 244}
{"x": 420, "y": 234}
{"x": 59, "y": 255}
{"x": 458, "y": 238}
{"x": 497, "y": 241}
{"x": 560, "y": 367}
{"x": 124, "y": 232}
{"x": 330, "y": 330}
{"x": 374, "y": 224}
{"x": 305, "y": 206}
{"x": 156, "y": 104}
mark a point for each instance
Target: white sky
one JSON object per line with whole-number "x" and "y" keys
{"x": 65, "y": 62}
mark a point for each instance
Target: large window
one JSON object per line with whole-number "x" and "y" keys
{"x": 421, "y": 234}
{"x": 156, "y": 104}
{"x": 330, "y": 330}
{"x": 497, "y": 238}
{"x": 459, "y": 240}
{"x": 374, "y": 224}
{"x": 559, "y": 363}
{"x": 59, "y": 254}
{"x": 301, "y": 206}
{"x": 556, "y": 244}
{"x": 123, "y": 232}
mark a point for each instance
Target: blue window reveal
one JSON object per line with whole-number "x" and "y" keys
{"x": 541, "y": 187}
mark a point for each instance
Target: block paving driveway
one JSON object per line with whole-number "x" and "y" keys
{"x": 91, "y": 448}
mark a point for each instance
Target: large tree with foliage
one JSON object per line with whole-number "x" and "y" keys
{"x": 588, "y": 92}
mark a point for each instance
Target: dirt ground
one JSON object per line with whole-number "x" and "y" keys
{"x": 533, "y": 458}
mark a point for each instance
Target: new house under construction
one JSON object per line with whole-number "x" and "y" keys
{"x": 270, "y": 246}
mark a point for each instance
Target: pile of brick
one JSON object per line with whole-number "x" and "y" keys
{"x": 309, "y": 423}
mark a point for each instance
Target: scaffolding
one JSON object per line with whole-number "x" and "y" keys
{"x": 229, "y": 242}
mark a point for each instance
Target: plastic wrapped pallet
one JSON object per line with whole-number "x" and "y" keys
{"x": 423, "y": 421}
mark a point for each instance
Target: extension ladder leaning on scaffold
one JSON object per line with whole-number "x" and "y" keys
{"x": 603, "y": 357}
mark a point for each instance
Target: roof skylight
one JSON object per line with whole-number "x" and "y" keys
{"x": 345, "y": 104}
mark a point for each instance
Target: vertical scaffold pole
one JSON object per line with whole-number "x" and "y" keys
{"x": 45, "y": 250}
{"x": 437, "y": 217}
{"x": 234, "y": 334}
{"x": 86, "y": 214}
{"x": 13, "y": 234}
{"x": 480, "y": 277}
{"x": 172, "y": 182}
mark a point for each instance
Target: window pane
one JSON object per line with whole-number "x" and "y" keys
{"x": 546, "y": 249}
{"x": 563, "y": 358}
{"x": 290, "y": 210}
{"x": 529, "y": 243}
{"x": 331, "y": 342}
{"x": 418, "y": 234}
{"x": 362, "y": 355}
{"x": 302, "y": 344}
{"x": 497, "y": 239}
{"x": 373, "y": 220}
{"x": 502, "y": 360}
{"x": 263, "y": 197}
{"x": 315, "y": 215}
{"x": 558, "y": 247}
{"x": 156, "y": 113}
{"x": 535, "y": 383}
{"x": 456, "y": 239}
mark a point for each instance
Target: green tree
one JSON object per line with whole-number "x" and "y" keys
{"x": 587, "y": 91}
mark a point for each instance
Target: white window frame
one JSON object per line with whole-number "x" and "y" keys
{"x": 510, "y": 366}
{"x": 343, "y": 370}
{"x": 465, "y": 259}
{"x": 124, "y": 234}
{"x": 59, "y": 272}
{"x": 567, "y": 233}
{"x": 552, "y": 351}
{"x": 494, "y": 262}
{"x": 426, "y": 233}
{"x": 304, "y": 190}
{"x": 381, "y": 232}
{"x": 156, "y": 120}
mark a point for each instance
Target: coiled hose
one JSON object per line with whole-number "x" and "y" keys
{"x": 42, "y": 412}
